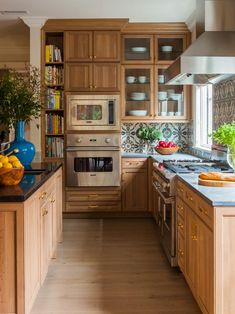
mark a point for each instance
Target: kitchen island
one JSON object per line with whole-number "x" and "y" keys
{"x": 30, "y": 228}
{"x": 206, "y": 246}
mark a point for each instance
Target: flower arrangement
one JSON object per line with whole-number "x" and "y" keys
{"x": 20, "y": 96}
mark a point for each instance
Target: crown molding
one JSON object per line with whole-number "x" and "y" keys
{"x": 35, "y": 21}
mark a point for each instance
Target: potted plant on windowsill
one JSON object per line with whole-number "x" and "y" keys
{"x": 225, "y": 135}
{"x": 149, "y": 135}
{"x": 20, "y": 102}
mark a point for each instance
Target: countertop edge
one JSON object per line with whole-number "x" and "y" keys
{"x": 23, "y": 198}
{"x": 201, "y": 194}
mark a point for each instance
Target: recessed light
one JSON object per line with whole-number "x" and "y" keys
{"x": 15, "y": 12}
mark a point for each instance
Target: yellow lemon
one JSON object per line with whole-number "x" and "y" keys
{"x": 4, "y": 159}
{"x": 1, "y": 156}
{"x": 7, "y": 165}
{"x": 16, "y": 164}
{"x": 12, "y": 158}
{"x": 1, "y": 165}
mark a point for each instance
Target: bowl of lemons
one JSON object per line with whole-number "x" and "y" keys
{"x": 11, "y": 170}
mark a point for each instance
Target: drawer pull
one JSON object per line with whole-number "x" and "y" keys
{"x": 181, "y": 252}
{"x": 181, "y": 226}
{"x": 93, "y": 195}
{"x": 194, "y": 238}
{"x": 93, "y": 206}
{"x": 44, "y": 194}
{"x": 204, "y": 211}
{"x": 45, "y": 212}
{"x": 53, "y": 201}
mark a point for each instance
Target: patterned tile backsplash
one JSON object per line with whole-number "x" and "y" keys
{"x": 224, "y": 103}
{"x": 180, "y": 133}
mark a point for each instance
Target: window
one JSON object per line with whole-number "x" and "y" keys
{"x": 203, "y": 116}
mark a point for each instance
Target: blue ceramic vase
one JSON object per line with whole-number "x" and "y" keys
{"x": 26, "y": 149}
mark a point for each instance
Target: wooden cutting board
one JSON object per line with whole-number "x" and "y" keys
{"x": 216, "y": 183}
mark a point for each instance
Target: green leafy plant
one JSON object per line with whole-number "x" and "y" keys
{"x": 21, "y": 95}
{"x": 148, "y": 134}
{"x": 225, "y": 135}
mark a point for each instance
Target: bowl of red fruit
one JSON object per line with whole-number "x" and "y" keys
{"x": 166, "y": 148}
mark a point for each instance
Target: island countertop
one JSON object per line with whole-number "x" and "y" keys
{"x": 29, "y": 183}
{"x": 215, "y": 196}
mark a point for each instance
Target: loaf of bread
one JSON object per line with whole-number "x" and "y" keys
{"x": 217, "y": 176}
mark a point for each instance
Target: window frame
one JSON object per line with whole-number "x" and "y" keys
{"x": 203, "y": 117}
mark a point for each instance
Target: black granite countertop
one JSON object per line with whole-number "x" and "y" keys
{"x": 29, "y": 183}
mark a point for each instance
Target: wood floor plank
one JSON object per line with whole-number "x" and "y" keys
{"x": 113, "y": 266}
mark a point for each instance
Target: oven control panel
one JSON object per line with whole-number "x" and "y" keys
{"x": 91, "y": 140}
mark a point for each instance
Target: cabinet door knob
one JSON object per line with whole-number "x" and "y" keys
{"x": 94, "y": 86}
{"x": 94, "y": 57}
{"x": 90, "y": 57}
{"x": 90, "y": 86}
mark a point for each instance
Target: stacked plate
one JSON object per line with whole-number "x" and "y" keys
{"x": 138, "y": 96}
{"x": 139, "y": 49}
{"x": 137, "y": 113}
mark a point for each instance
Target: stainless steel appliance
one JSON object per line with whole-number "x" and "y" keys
{"x": 210, "y": 58}
{"x": 92, "y": 112}
{"x": 163, "y": 181}
{"x": 93, "y": 160}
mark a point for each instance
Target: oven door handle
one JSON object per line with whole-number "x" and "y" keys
{"x": 166, "y": 200}
{"x": 90, "y": 149}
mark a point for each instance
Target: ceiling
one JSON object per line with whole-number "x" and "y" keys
{"x": 135, "y": 10}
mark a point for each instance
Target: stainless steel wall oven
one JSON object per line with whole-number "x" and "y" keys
{"x": 93, "y": 160}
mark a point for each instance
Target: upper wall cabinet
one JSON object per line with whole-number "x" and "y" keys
{"x": 90, "y": 46}
{"x": 137, "y": 49}
{"x": 169, "y": 47}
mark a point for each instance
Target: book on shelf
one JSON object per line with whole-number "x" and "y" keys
{"x": 54, "y": 99}
{"x": 53, "y": 54}
{"x": 54, "y": 75}
{"x": 54, "y": 147}
{"x": 54, "y": 124}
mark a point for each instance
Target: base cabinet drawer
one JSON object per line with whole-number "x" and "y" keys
{"x": 88, "y": 196}
{"x": 84, "y": 207}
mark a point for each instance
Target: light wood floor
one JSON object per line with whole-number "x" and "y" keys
{"x": 112, "y": 266}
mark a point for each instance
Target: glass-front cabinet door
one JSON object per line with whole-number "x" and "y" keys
{"x": 169, "y": 47}
{"x": 137, "y": 49}
{"x": 137, "y": 93}
{"x": 170, "y": 100}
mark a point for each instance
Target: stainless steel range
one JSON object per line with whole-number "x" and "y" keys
{"x": 93, "y": 160}
{"x": 163, "y": 181}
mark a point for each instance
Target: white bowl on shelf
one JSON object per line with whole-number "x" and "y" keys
{"x": 138, "y": 96}
{"x": 138, "y": 49}
{"x": 162, "y": 95}
{"x": 137, "y": 113}
{"x": 166, "y": 48}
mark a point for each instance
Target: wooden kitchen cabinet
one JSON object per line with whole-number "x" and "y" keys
{"x": 137, "y": 96}
{"x": 137, "y": 49}
{"x": 134, "y": 184}
{"x": 89, "y": 46}
{"x": 26, "y": 246}
{"x": 46, "y": 237}
{"x": 195, "y": 241}
{"x": 92, "y": 61}
{"x": 177, "y": 42}
{"x": 92, "y": 77}
{"x": 91, "y": 200}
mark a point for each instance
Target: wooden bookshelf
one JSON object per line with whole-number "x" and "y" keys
{"x": 53, "y": 113}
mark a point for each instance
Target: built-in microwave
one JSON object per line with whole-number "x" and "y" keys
{"x": 92, "y": 112}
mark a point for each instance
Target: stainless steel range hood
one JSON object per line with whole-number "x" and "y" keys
{"x": 211, "y": 57}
